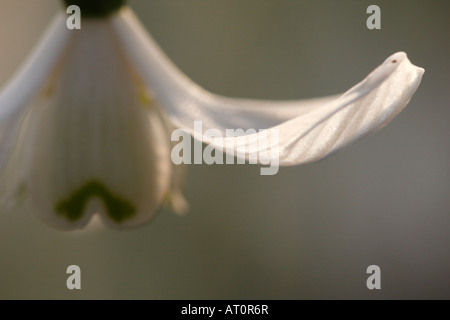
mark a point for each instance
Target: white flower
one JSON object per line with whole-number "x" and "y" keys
{"x": 85, "y": 125}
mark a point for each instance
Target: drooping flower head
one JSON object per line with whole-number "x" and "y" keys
{"x": 86, "y": 124}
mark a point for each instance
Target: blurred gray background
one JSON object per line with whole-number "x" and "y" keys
{"x": 309, "y": 231}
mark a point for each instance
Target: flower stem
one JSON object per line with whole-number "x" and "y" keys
{"x": 96, "y": 8}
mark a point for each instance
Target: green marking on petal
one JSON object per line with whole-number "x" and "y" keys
{"x": 72, "y": 208}
{"x": 96, "y": 8}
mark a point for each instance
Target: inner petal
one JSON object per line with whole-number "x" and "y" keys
{"x": 94, "y": 136}
{"x": 72, "y": 208}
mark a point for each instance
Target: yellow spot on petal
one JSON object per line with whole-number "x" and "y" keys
{"x": 144, "y": 96}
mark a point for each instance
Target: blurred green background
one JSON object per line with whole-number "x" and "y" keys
{"x": 307, "y": 232}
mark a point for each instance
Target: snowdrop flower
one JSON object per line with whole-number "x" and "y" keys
{"x": 85, "y": 124}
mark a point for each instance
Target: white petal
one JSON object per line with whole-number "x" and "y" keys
{"x": 308, "y": 130}
{"x": 15, "y": 96}
{"x": 99, "y": 144}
